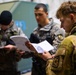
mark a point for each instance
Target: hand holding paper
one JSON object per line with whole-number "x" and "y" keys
{"x": 40, "y": 47}
{"x": 43, "y": 46}
{"x": 20, "y": 42}
{"x": 30, "y": 46}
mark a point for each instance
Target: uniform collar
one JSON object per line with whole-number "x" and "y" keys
{"x": 48, "y": 26}
{"x": 73, "y": 31}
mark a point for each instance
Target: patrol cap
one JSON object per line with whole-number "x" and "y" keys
{"x": 5, "y": 17}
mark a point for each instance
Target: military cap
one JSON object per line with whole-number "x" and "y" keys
{"x": 5, "y": 17}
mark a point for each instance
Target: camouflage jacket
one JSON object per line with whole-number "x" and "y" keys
{"x": 8, "y": 60}
{"x": 64, "y": 62}
{"x": 54, "y": 35}
{"x": 51, "y": 32}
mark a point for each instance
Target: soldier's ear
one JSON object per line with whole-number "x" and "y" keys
{"x": 72, "y": 16}
{"x": 47, "y": 14}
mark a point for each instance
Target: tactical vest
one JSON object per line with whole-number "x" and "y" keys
{"x": 39, "y": 64}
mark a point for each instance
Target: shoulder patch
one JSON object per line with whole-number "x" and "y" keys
{"x": 60, "y": 37}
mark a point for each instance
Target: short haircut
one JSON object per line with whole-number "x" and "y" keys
{"x": 41, "y": 5}
{"x": 66, "y": 8}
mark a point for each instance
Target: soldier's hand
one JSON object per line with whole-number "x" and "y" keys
{"x": 46, "y": 56}
{"x": 10, "y": 48}
{"x": 30, "y": 46}
{"x": 20, "y": 52}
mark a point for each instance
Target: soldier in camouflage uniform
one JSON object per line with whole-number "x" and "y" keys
{"x": 8, "y": 59}
{"x": 64, "y": 62}
{"x": 47, "y": 30}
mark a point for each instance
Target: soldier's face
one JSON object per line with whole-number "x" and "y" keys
{"x": 66, "y": 23}
{"x": 40, "y": 15}
{"x": 4, "y": 27}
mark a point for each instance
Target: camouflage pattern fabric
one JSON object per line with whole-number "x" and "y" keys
{"x": 54, "y": 35}
{"x": 64, "y": 62}
{"x": 8, "y": 61}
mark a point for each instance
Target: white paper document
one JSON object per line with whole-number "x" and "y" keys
{"x": 20, "y": 42}
{"x": 40, "y": 47}
{"x": 43, "y": 46}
